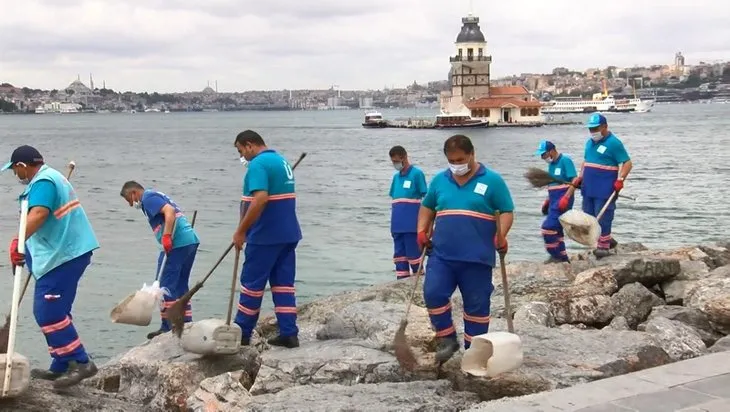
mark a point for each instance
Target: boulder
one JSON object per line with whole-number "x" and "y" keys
{"x": 719, "y": 254}
{"x": 41, "y": 396}
{"x": 634, "y": 302}
{"x": 680, "y": 341}
{"x": 691, "y": 271}
{"x": 712, "y": 296}
{"x": 222, "y": 393}
{"x": 557, "y": 357}
{"x": 689, "y": 316}
{"x": 422, "y": 396}
{"x": 619, "y": 323}
{"x": 161, "y": 376}
{"x": 590, "y": 310}
{"x": 722, "y": 345}
{"x": 536, "y": 313}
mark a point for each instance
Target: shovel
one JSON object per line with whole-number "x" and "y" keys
{"x": 493, "y": 353}
{"x": 582, "y": 227}
{"x": 16, "y": 365}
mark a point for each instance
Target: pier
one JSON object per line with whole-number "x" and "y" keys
{"x": 430, "y": 123}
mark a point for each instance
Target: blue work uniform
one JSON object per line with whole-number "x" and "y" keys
{"x": 563, "y": 169}
{"x": 600, "y": 171}
{"x": 463, "y": 252}
{"x": 176, "y": 273}
{"x": 407, "y": 189}
{"x": 270, "y": 244}
{"x": 61, "y": 250}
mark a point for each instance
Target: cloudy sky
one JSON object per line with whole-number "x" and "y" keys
{"x": 177, "y": 45}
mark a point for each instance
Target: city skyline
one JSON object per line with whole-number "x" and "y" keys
{"x": 279, "y": 45}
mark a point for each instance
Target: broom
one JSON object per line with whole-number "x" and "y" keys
{"x": 176, "y": 312}
{"x": 403, "y": 352}
{"x": 5, "y": 330}
{"x": 540, "y": 178}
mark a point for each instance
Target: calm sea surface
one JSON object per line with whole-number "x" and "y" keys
{"x": 681, "y": 179}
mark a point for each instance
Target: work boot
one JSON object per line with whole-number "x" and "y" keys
{"x": 151, "y": 335}
{"x": 245, "y": 341}
{"x": 554, "y": 260}
{"x": 612, "y": 243}
{"x": 75, "y": 374}
{"x": 446, "y": 348}
{"x": 601, "y": 253}
{"x": 44, "y": 374}
{"x": 285, "y": 341}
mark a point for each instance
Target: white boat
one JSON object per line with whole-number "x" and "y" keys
{"x": 599, "y": 102}
{"x": 40, "y": 110}
{"x": 374, "y": 120}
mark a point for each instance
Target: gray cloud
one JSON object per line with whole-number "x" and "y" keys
{"x": 171, "y": 45}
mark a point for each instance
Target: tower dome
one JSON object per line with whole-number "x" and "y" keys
{"x": 470, "y": 31}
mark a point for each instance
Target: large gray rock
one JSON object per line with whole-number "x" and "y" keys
{"x": 536, "y": 313}
{"x": 680, "y": 341}
{"x": 589, "y": 310}
{"x": 719, "y": 254}
{"x": 423, "y": 396}
{"x": 721, "y": 345}
{"x": 676, "y": 289}
{"x": 222, "y": 393}
{"x": 161, "y": 376}
{"x": 41, "y": 397}
{"x": 689, "y": 316}
{"x": 344, "y": 362}
{"x": 634, "y": 302}
{"x": 711, "y": 295}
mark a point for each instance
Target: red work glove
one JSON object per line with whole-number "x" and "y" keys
{"x": 167, "y": 243}
{"x": 618, "y": 185}
{"x": 577, "y": 182}
{"x": 423, "y": 240}
{"x": 563, "y": 204}
{"x": 17, "y": 259}
{"x": 502, "y": 249}
{"x": 545, "y": 207}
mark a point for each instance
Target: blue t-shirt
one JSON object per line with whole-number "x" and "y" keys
{"x": 152, "y": 204}
{"x": 271, "y": 172}
{"x": 465, "y": 223}
{"x": 601, "y": 165}
{"x": 563, "y": 169}
{"x": 407, "y": 189}
{"x": 43, "y": 193}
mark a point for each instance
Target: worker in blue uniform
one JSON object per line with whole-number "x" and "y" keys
{"x": 605, "y": 167}
{"x": 271, "y": 231}
{"x": 61, "y": 240}
{"x": 179, "y": 242}
{"x": 560, "y": 199}
{"x": 406, "y": 189}
{"x": 462, "y": 202}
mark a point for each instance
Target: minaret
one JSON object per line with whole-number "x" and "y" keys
{"x": 470, "y": 67}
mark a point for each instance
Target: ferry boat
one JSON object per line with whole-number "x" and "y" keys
{"x": 600, "y": 102}
{"x": 453, "y": 121}
{"x": 374, "y": 120}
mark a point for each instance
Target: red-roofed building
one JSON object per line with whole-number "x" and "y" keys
{"x": 471, "y": 93}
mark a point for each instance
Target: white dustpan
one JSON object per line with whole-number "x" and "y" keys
{"x": 16, "y": 378}
{"x": 582, "y": 227}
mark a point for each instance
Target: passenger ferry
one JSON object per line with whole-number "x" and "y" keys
{"x": 374, "y": 120}
{"x": 600, "y": 102}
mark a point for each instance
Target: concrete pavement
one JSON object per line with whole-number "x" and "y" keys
{"x": 695, "y": 385}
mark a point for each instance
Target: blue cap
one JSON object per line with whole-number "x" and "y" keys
{"x": 596, "y": 120}
{"x": 23, "y": 154}
{"x": 545, "y": 146}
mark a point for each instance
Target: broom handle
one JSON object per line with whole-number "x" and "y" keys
{"x": 415, "y": 281}
{"x": 565, "y": 182}
{"x": 505, "y": 286}
{"x": 164, "y": 257}
{"x": 233, "y": 287}
{"x": 220, "y": 259}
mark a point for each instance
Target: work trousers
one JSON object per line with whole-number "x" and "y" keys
{"x": 53, "y": 299}
{"x": 405, "y": 253}
{"x": 593, "y": 206}
{"x": 275, "y": 264}
{"x": 474, "y": 281}
{"x": 175, "y": 278}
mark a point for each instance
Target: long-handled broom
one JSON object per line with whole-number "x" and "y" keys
{"x": 5, "y": 330}
{"x": 176, "y": 312}
{"x": 403, "y": 352}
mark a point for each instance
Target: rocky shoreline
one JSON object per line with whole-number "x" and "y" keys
{"x": 578, "y": 322}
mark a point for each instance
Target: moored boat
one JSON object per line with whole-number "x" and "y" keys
{"x": 374, "y": 120}
{"x": 453, "y": 121}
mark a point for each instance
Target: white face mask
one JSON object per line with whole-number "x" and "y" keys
{"x": 596, "y": 136}
{"x": 26, "y": 180}
{"x": 459, "y": 170}
{"x": 244, "y": 162}
{"x": 398, "y": 166}
{"x": 136, "y": 204}
{"x": 548, "y": 160}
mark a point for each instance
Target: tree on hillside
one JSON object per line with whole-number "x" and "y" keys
{"x": 6, "y": 106}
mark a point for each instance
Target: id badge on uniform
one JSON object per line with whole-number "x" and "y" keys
{"x": 406, "y": 184}
{"x": 601, "y": 149}
{"x": 557, "y": 171}
{"x": 480, "y": 189}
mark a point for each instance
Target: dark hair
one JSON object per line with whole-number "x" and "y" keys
{"x": 458, "y": 141}
{"x": 249, "y": 137}
{"x": 130, "y": 185}
{"x": 397, "y": 151}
